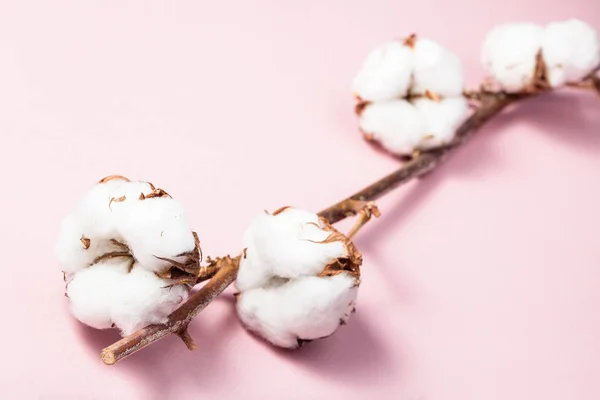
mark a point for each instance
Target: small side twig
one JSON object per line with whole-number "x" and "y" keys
{"x": 364, "y": 216}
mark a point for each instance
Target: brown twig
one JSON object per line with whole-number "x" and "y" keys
{"x": 227, "y": 268}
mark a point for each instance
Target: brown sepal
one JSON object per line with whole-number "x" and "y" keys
{"x": 85, "y": 241}
{"x": 350, "y": 263}
{"x": 410, "y": 40}
{"x": 280, "y": 210}
{"x": 433, "y": 96}
{"x": 156, "y": 193}
{"x": 112, "y": 254}
{"x": 360, "y": 107}
{"x": 187, "y": 271}
{"x": 117, "y": 200}
{"x": 113, "y": 177}
{"x": 123, "y": 246}
{"x": 540, "y": 77}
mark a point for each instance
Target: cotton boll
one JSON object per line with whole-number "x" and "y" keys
{"x": 306, "y": 308}
{"x": 385, "y": 73}
{"x": 441, "y": 120}
{"x": 288, "y": 244}
{"x": 298, "y": 277}
{"x": 395, "y": 124}
{"x": 437, "y": 70}
{"x": 143, "y": 299}
{"x": 510, "y": 54}
{"x": 91, "y": 292}
{"x": 157, "y": 227}
{"x": 570, "y": 50}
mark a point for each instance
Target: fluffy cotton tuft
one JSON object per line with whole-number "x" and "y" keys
{"x": 509, "y": 54}
{"x": 91, "y": 292}
{"x": 436, "y": 70}
{"x": 142, "y": 299}
{"x": 75, "y": 250}
{"x": 441, "y": 120}
{"x": 396, "y": 125}
{"x": 118, "y": 246}
{"x": 303, "y": 309}
{"x": 513, "y": 53}
{"x": 385, "y": 73}
{"x": 570, "y": 50}
{"x": 107, "y": 293}
{"x": 286, "y": 245}
{"x": 298, "y": 277}
{"x": 157, "y": 227}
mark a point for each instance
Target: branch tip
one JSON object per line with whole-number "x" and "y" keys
{"x": 187, "y": 339}
{"x": 108, "y": 357}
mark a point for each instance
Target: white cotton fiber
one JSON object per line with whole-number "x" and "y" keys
{"x": 385, "y": 73}
{"x": 570, "y": 50}
{"x": 396, "y": 125}
{"x": 110, "y": 293}
{"x": 157, "y": 227}
{"x": 437, "y": 70}
{"x": 93, "y": 211}
{"x": 76, "y": 251}
{"x": 286, "y": 245}
{"x": 509, "y": 54}
{"x": 441, "y": 120}
{"x": 91, "y": 292}
{"x": 306, "y": 308}
{"x": 143, "y": 299}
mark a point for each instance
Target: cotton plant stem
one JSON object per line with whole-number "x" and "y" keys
{"x": 225, "y": 269}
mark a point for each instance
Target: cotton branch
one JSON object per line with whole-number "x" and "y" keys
{"x": 223, "y": 271}
{"x": 226, "y": 268}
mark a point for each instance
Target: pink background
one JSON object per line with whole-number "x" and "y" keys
{"x": 480, "y": 283}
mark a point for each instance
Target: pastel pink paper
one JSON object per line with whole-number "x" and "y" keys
{"x": 480, "y": 282}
